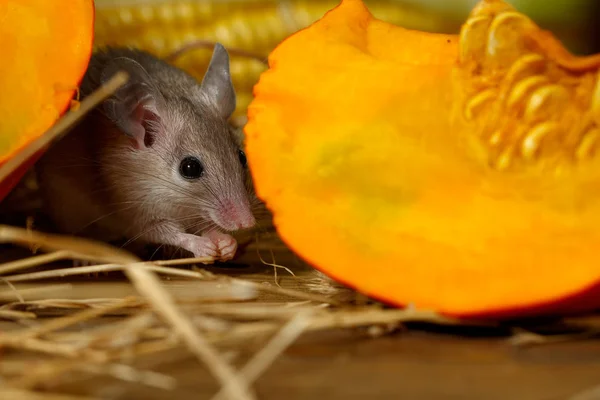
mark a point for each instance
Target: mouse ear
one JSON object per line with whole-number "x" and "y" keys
{"x": 217, "y": 85}
{"x": 134, "y": 106}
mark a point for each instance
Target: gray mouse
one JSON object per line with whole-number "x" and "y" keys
{"x": 156, "y": 163}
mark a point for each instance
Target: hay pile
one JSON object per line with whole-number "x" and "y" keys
{"x": 59, "y": 332}
{"x": 103, "y": 328}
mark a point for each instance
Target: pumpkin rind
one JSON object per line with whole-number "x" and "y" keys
{"x": 371, "y": 145}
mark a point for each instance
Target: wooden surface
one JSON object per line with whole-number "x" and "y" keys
{"x": 415, "y": 365}
{"x": 421, "y": 362}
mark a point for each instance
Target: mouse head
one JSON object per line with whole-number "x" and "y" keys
{"x": 178, "y": 131}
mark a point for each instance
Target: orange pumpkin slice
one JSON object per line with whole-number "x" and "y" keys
{"x": 46, "y": 46}
{"x": 456, "y": 173}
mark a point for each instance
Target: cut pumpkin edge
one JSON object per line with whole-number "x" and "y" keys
{"x": 571, "y": 304}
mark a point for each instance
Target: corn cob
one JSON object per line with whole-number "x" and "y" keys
{"x": 163, "y": 26}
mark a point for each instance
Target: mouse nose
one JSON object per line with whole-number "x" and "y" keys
{"x": 246, "y": 221}
{"x": 239, "y": 216}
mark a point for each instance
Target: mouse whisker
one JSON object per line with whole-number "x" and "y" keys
{"x": 105, "y": 216}
{"x": 155, "y": 252}
{"x": 203, "y": 224}
{"x": 204, "y": 228}
{"x": 196, "y": 219}
{"x": 167, "y": 184}
{"x": 139, "y": 235}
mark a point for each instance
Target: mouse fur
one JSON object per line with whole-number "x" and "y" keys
{"x": 118, "y": 174}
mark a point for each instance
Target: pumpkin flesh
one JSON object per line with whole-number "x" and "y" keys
{"x": 49, "y": 47}
{"x": 374, "y": 148}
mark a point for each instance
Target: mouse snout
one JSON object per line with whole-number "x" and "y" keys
{"x": 235, "y": 215}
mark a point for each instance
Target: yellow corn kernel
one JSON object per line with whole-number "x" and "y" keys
{"x": 162, "y": 27}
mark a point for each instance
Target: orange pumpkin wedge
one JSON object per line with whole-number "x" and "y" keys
{"x": 456, "y": 173}
{"x": 46, "y": 47}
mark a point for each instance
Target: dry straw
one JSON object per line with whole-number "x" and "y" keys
{"x": 154, "y": 321}
{"x": 158, "y": 320}
{"x": 161, "y": 312}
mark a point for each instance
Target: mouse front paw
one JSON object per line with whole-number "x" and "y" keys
{"x": 200, "y": 246}
{"x": 226, "y": 244}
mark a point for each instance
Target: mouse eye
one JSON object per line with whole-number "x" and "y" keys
{"x": 243, "y": 160}
{"x": 191, "y": 168}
